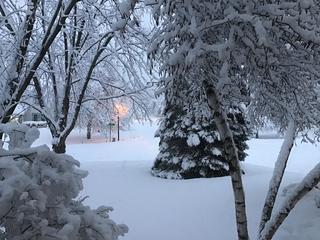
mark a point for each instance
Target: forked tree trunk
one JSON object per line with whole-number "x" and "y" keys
{"x": 306, "y": 185}
{"x": 59, "y": 143}
{"x": 59, "y": 147}
{"x": 278, "y": 172}
{"x": 231, "y": 156}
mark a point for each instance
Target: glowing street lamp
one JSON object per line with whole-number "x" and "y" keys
{"x": 122, "y": 111}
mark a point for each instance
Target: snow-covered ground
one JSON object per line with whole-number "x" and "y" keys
{"x": 198, "y": 209}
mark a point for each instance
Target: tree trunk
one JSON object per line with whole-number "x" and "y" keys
{"x": 306, "y": 185}
{"x": 59, "y": 147}
{"x": 277, "y": 176}
{"x": 89, "y": 128}
{"x": 231, "y": 156}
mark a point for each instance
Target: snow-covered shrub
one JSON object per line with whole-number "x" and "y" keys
{"x": 37, "y": 194}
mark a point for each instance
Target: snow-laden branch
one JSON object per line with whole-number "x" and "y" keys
{"x": 124, "y": 94}
{"x": 6, "y": 20}
{"x": 51, "y": 35}
{"x": 306, "y": 185}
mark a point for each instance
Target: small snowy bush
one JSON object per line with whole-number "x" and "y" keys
{"x": 37, "y": 194}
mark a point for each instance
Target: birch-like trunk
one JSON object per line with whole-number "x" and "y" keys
{"x": 231, "y": 155}
{"x": 306, "y": 185}
{"x": 278, "y": 173}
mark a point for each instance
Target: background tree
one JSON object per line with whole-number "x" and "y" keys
{"x": 99, "y": 45}
{"x": 23, "y": 50}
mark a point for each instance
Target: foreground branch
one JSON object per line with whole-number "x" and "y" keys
{"x": 306, "y": 185}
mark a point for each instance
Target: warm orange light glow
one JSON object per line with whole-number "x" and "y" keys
{"x": 122, "y": 110}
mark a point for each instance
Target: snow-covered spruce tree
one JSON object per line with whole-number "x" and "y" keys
{"x": 38, "y": 191}
{"x": 190, "y": 145}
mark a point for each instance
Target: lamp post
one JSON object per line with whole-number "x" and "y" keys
{"x": 110, "y": 131}
{"x": 121, "y": 111}
{"x": 118, "y": 127}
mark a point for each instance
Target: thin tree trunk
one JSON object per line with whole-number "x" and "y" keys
{"x": 55, "y": 87}
{"x": 306, "y": 185}
{"x": 59, "y": 147}
{"x": 89, "y": 128}
{"x": 278, "y": 172}
{"x": 231, "y": 155}
{"x": 16, "y": 66}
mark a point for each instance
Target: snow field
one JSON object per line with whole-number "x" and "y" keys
{"x": 197, "y": 209}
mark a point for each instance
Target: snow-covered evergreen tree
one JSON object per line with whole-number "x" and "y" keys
{"x": 190, "y": 145}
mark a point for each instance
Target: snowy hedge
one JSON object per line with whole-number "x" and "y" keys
{"x": 38, "y": 189}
